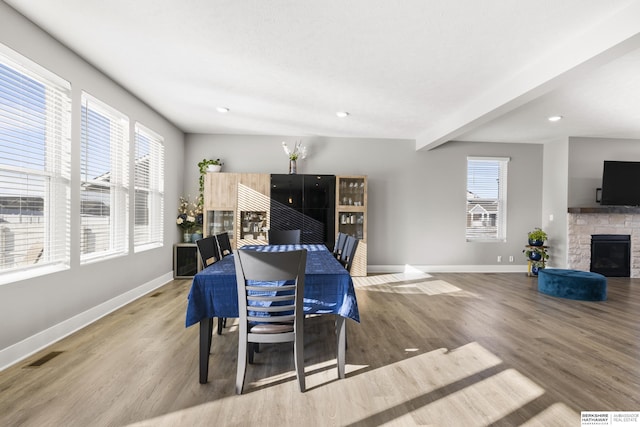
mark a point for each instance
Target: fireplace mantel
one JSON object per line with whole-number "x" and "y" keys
{"x": 606, "y": 210}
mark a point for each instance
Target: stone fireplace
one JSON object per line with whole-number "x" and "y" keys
{"x": 614, "y": 220}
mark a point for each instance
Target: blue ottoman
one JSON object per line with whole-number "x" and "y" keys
{"x": 572, "y": 284}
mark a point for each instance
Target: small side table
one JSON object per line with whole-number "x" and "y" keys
{"x": 186, "y": 262}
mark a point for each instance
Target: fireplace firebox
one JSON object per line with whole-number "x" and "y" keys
{"x": 611, "y": 254}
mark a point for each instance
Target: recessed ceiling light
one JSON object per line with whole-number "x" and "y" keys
{"x": 555, "y": 118}
{"x": 222, "y": 110}
{"x": 342, "y": 114}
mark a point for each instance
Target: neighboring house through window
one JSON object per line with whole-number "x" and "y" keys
{"x": 149, "y": 189}
{"x": 486, "y": 199}
{"x": 35, "y": 141}
{"x": 104, "y": 180}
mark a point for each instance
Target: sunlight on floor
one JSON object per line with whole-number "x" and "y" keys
{"x": 383, "y": 284}
{"x": 552, "y": 416}
{"x": 315, "y": 375}
{"x": 464, "y": 386}
{"x": 433, "y": 287}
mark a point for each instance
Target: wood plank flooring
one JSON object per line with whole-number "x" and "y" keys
{"x": 447, "y": 350}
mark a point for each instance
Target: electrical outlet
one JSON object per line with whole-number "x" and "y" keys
{"x": 511, "y": 258}
{"x": 499, "y": 258}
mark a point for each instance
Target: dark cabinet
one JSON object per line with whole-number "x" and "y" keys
{"x": 185, "y": 260}
{"x": 306, "y": 203}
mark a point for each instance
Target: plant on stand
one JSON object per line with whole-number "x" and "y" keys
{"x": 536, "y": 252}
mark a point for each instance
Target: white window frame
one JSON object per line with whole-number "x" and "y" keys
{"x": 148, "y": 180}
{"x": 33, "y": 250}
{"x": 486, "y": 228}
{"x": 114, "y": 239}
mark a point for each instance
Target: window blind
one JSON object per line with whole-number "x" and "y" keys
{"x": 104, "y": 177}
{"x": 35, "y": 141}
{"x": 149, "y": 189}
{"x": 486, "y": 199}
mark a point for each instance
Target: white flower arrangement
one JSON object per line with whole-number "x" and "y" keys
{"x": 299, "y": 151}
{"x": 189, "y": 214}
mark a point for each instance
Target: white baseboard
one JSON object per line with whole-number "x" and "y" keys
{"x": 25, "y": 348}
{"x": 498, "y": 268}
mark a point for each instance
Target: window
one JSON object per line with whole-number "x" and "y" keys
{"x": 35, "y": 130}
{"x": 149, "y": 190}
{"x": 104, "y": 179}
{"x": 486, "y": 199}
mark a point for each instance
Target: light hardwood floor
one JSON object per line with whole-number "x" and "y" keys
{"x": 447, "y": 350}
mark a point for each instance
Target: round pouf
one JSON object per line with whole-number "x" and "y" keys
{"x": 572, "y": 284}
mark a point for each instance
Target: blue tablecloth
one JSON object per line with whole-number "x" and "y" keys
{"x": 328, "y": 286}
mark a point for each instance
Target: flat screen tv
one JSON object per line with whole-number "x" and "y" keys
{"x": 620, "y": 183}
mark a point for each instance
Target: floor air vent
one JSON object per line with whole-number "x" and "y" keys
{"x": 156, "y": 294}
{"x": 44, "y": 359}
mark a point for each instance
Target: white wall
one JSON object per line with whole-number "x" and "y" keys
{"x": 586, "y": 159}
{"x": 36, "y": 311}
{"x": 416, "y": 199}
{"x": 554, "y": 200}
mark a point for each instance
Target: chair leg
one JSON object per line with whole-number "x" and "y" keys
{"x": 298, "y": 353}
{"x": 242, "y": 363}
{"x": 221, "y": 322}
{"x": 251, "y": 347}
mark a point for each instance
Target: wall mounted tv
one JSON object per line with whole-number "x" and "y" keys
{"x": 621, "y": 183}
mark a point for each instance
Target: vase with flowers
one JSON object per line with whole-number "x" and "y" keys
{"x": 299, "y": 152}
{"x": 188, "y": 213}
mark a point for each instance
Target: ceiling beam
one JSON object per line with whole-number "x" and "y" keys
{"x": 609, "y": 39}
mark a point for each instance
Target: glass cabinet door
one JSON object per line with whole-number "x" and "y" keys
{"x": 220, "y": 222}
{"x": 351, "y": 192}
{"x": 351, "y": 223}
{"x": 253, "y": 225}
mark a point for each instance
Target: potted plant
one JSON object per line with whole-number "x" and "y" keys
{"x": 536, "y": 266}
{"x": 210, "y": 165}
{"x": 537, "y": 237}
{"x": 207, "y": 165}
{"x": 536, "y": 254}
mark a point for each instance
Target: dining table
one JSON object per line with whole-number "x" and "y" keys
{"x": 328, "y": 289}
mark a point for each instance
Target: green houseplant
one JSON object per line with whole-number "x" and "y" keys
{"x": 537, "y": 237}
{"x": 536, "y": 254}
{"x": 203, "y": 166}
{"x": 536, "y": 266}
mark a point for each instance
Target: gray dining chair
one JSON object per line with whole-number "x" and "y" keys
{"x": 224, "y": 244}
{"x": 208, "y": 250}
{"x": 270, "y": 296}
{"x": 339, "y": 245}
{"x": 348, "y": 252}
{"x": 284, "y": 237}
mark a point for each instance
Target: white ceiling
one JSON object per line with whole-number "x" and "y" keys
{"x": 433, "y": 71}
